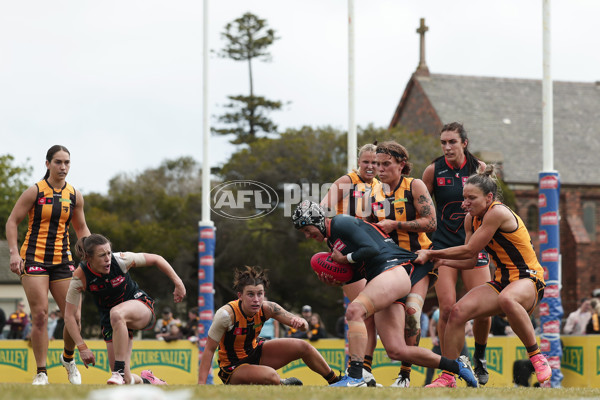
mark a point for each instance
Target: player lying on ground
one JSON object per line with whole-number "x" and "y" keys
{"x": 246, "y": 359}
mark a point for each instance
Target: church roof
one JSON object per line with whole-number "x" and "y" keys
{"x": 504, "y": 116}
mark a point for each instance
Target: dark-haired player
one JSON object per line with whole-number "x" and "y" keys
{"x": 122, "y": 305}
{"x": 243, "y": 358}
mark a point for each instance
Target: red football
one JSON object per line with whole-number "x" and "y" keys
{"x": 329, "y": 271}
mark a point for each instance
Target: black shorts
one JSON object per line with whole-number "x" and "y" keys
{"x": 253, "y": 358}
{"x": 55, "y": 272}
{"x": 539, "y": 288}
{"x": 417, "y": 273}
{"x": 107, "y": 331}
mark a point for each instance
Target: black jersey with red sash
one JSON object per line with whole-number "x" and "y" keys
{"x": 513, "y": 252}
{"x": 47, "y": 239}
{"x": 370, "y": 246}
{"x": 110, "y": 289}
{"x": 240, "y": 341}
{"x": 448, "y": 193}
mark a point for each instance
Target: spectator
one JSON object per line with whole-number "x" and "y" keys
{"x": 306, "y": 311}
{"x": 593, "y": 326}
{"x": 52, "y": 322}
{"x": 270, "y": 328}
{"x": 295, "y": 333}
{"x": 18, "y": 321}
{"x": 2, "y": 323}
{"x": 190, "y": 330}
{"x": 469, "y": 328}
{"x": 500, "y": 326}
{"x": 577, "y": 321}
{"x": 424, "y": 324}
{"x": 163, "y": 325}
{"x": 316, "y": 328}
{"x": 174, "y": 333}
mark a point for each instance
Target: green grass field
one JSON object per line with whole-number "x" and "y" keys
{"x": 14, "y": 391}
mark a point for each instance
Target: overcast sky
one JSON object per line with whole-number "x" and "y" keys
{"x": 119, "y": 82}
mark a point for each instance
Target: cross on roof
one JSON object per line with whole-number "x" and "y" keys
{"x": 422, "y": 68}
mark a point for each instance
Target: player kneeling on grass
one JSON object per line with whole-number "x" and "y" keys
{"x": 244, "y": 359}
{"x": 390, "y": 273}
{"x": 123, "y": 306}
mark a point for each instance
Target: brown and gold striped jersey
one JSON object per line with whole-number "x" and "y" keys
{"x": 47, "y": 239}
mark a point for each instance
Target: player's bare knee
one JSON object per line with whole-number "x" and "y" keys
{"x": 457, "y": 315}
{"x": 116, "y": 316}
{"x": 445, "y": 312}
{"x": 361, "y": 307}
{"x": 272, "y": 378}
{"x": 506, "y": 303}
{"x": 355, "y": 312}
{"x": 39, "y": 319}
{"x": 397, "y": 352}
{"x": 304, "y": 347}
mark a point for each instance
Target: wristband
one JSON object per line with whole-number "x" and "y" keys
{"x": 349, "y": 258}
{"x": 82, "y": 347}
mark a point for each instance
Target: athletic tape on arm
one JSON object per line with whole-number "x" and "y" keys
{"x": 221, "y": 324}
{"x": 74, "y": 292}
{"x": 128, "y": 260}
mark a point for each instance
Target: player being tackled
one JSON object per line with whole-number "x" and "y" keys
{"x": 389, "y": 273}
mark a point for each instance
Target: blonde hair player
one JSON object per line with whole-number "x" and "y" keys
{"x": 518, "y": 282}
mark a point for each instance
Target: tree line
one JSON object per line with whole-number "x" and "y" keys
{"x": 158, "y": 209}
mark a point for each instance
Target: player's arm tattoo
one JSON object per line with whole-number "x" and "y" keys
{"x": 277, "y": 310}
{"x": 426, "y": 222}
{"x": 426, "y": 211}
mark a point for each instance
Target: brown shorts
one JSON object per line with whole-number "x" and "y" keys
{"x": 56, "y": 272}
{"x": 253, "y": 358}
{"x": 539, "y": 288}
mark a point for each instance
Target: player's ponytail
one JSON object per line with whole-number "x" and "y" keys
{"x": 85, "y": 246}
{"x": 487, "y": 181}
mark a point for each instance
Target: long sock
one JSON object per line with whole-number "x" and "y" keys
{"x": 355, "y": 370}
{"x": 119, "y": 367}
{"x": 331, "y": 377}
{"x": 449, "y": 366}
{"x": 405, "y": 369}
{"x": 368, "y": 363}
{"x": 479, "y": 351}
{"x": 68, "y": 355}
{"x": 42, "y": 369}
{"x": 533, "y": 350}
